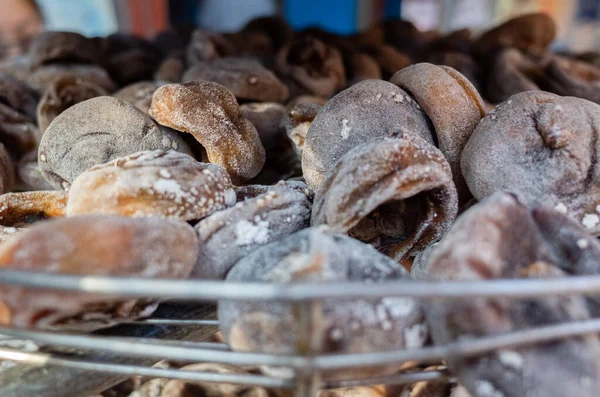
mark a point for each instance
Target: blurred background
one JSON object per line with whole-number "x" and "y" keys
{"x": 578, "y": 20}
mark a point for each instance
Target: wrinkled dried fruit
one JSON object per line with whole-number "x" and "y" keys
{"x": 315, "y": 255}
{"x": 501, "y": 238}
{"x": 361, "y": 66}
{"x": 23, "y": 208}
{"x": 452, "y": 104}
{"x": 41, "y": 78}
{"x": 92, "y": 245}
{"x": 7, "y": 171}
{"x": 158, "y": 183}
{"x": 95, "y": 132}
{"x": 542, "y": 146}
{"x": 394, "y": 193}
{"x": 569, "y": 77}
{"x": 246, "y": 78}
{"x": 368, "y": 110}
{"x": 229, "y": 235}
{"x": 311, "y": 67}
{"x": 18, "y": 134}
{"x": 390, "y": 60}
{"x": 266, "y": 117}
{"x": 512, "y": 72}
{"x": 63, "y": 93}
{"x": 297, "y": 121}
{"x": 18, "y": 96}
{"x": 62, "y": 47}
{"x": 211, "y": 114}
{"x": 139, "y": 94}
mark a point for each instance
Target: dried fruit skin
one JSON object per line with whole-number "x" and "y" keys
{"x": 18, "y": 96}
{"x": 569, "y": 77}
{"x": 211, "y": 114}
{"x": 41, "y": 77}
{"x": 21, "y": 208}
{"x": 543, "y": 147}
{"x": 65, "y": 47}
{"x": 229, "y": 235}
{"x": 396, "y": 193}
{"x": 297, "y": 121}
{"x": 512, "y": 72}
{"x": 97, "y": 131}
{"x": 246, "y": 78}
{"x": 368, "y": 110}
{"x": 92, "y": 245}
{"x": 452, "y": 104}
{"x": 350, "y": 326}
{"x": 501, "y": 238}
{"x": 139, "y": 94}
{"x": 63, "y": 93}
{"x": 18, "y": 134}
{"x": 266, "y": 117}
{"x": 158, "y": 183}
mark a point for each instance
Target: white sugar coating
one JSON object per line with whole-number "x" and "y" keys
{"x": 590, "y": 220}
{"x": 165, "y": 173}
{"x": 598, "y": 208}
{"x": 483, "y": 388}
{"x": 583, "y": 243}
{"x": 251, "y": 233}
{"x": 415, "y": 336}
{"x": 560, "y": 207}
{"x": 345, "y": 132}
{"x": 168, "y": 187}
{"x": 43, "y": 157}
{"x": 336, "y": 334}
{"x": 399, "y": 307}
{"x": 511, "y": 359}
{"x": 398, "y": 98}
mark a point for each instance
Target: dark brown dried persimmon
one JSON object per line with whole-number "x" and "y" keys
{"x": 63, "y": 93}
{"x": 17, "y": 132}
{"x": 246, "y": 78}
{"x": 266, "y": 117}
{"x": 311, "y": 67}
{"x": 452, "y": 104}
{"x": 7, "y": 171}
{"x": 569, "y": 77}
{"x": 18, "y": 96}
{"x": 211, "y": 114}
{"x": 501, "y": 238}
{"x": 63, "y": 47}
{"x": 41, "y": 77}
{"x": 543, "y": 147}
{"x": 512, "y": 72}
{"x": 390, "y": 60}
{"x": 368, "y": 110}
{"x": 318, "y": 255}
{"x": 395, "y": 193}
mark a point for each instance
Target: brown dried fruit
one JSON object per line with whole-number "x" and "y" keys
{"x": 316, "y": 255}
{"x": 395, "y": 193}
{"x": 7, "y": 171}
{"x": 390, "y": 60}
{"x": 139, "y": 94}
{"x": 542, "y": 147}
{"x": 63, "y": 93}
{"x": 41, "y": 78}
{"x": 24, "y": 208}
{"x": 97, "y": 131}
{"x": 170, "y": 70}
{"x": 18, "y": 134}
{"x": 531, "y": 33}
{"x": 211, "y": 114}
{"x": 361, "y": 66}
{"x": 246, "y": 78}
{"x": 501, "y": 238}
{"x": 569, "y": 77}
{"x": 158, "y": 183}
{"x": 311, "y": 67}
{"x": 229, "y": 235}
{"x": 297, "y": 122}
{"x": 92, "y": 245}
{"x": 18, "y": 96}
{"x": 512, "y": 72}
{"x": 206, "y": 46}
{"x": 29, "y": 173}
{"x": 452, "y": 104}
{"x": 62, "y": 47}
{"x": 463, "y": 63}
{"x": 266, "y": 117}
{"x": 366, "y": 111}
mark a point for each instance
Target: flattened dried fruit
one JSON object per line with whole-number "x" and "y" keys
{"x": 139, "y": 94}
{"x": 18, "y": 96}
{"x": 211, "y": 114}
{"x": 569, "y": 77}
{"x": 41, "y": 78}
{"x": 368, "y": 110}
{"x": 297, "y": 122}
{"x": 395, "y": 193}
{"x": 206, "y": 46}
{"x": 390, "y": 60}
{"x": 453, "y": 106}
{"x": 531, "y": 33}
{"x": 24, "y": 208}
{"x": 343, "y": 326}
{"x": 229, "y": 235}
{"x": 512, "y": 72}
{"x": 97, "y": 131}
{"x": 158, "y": 183}
{"x": 311, "y": 67}
{"x": 542, "y": 146}
{"x": 63, "y": 93}
{"x": 501, "y": 238}
{"x": 18, "y": 134}
{"x": 246, "y": 78}
{"x": 266, "y": 117}
{"x": 62, "y": 47}
{"x": 92, "y": 245}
